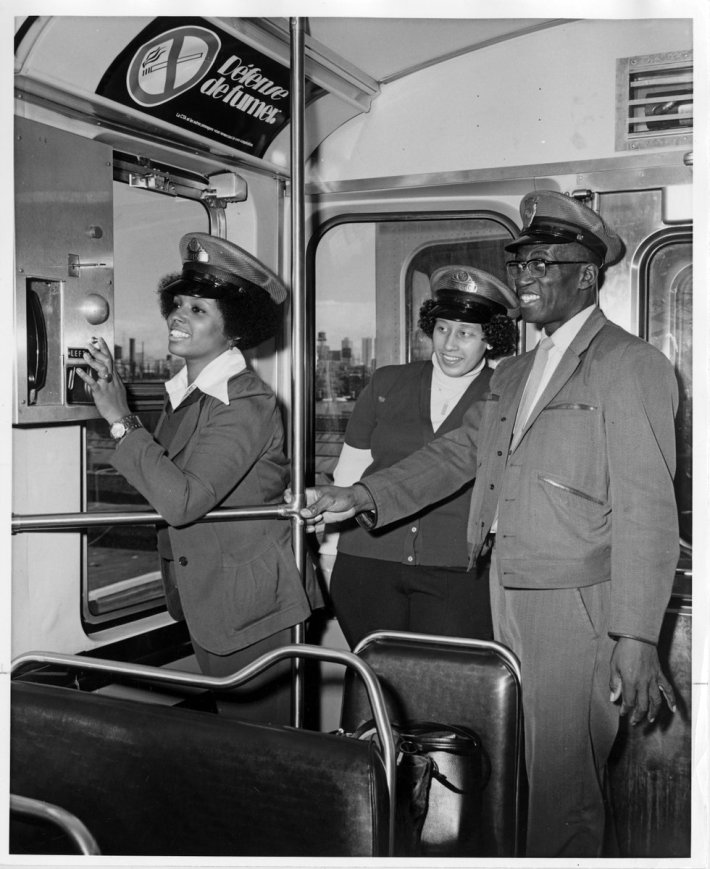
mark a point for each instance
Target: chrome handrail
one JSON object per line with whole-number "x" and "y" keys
{"x": 72, "y": 521}
{"x": 66, "y": 821}
{"x": 223, "y": 683}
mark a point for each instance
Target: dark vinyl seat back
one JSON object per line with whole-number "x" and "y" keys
{"x": 152, "y": 780}
{"x": 455, "y": 681}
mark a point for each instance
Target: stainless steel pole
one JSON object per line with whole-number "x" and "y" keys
{"x": 298, "y": 334}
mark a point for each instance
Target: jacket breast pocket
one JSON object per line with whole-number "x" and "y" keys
{"x": 570, "y": 405}
{"x": 568, "y": 438}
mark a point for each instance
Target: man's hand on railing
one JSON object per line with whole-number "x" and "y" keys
{"x": 335, "y": 503}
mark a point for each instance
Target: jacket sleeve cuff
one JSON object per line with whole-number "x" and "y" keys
{"x": 367, "y": 519}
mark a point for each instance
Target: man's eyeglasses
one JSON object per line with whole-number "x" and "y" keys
{"x": 536, "y": 267}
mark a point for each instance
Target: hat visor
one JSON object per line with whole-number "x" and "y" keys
{"x": 479, "y": 313}
{"x": 537, "y": 238}
{"x": 203, "y": 290}
{"x": 469, "y": 314}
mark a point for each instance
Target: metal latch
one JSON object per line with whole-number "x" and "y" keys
{"x": 75, "y": 265}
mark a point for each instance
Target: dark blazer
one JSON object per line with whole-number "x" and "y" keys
{"x": 587, "y": 495}
{"x": 238, "y": 581}
{"x": 392, "y": 418}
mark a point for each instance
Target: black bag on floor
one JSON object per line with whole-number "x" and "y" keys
{"x": 441, "y": 771}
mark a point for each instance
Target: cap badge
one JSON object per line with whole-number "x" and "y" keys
{"x": 464, "y": 282}
{"x": 530, "y": 212}
{"x": 196, "y": 253}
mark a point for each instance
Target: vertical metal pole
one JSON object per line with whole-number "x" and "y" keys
{"x": 298, "y": 334}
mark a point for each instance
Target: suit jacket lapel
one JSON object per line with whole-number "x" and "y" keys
{"x": 161, "y": 420}
{"x": 188, "y": 424}
{"x": 565, "y": 369}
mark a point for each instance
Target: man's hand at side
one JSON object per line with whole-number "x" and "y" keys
{"x": 636, "y": 677}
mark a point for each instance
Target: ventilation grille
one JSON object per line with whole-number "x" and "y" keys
{"x": 654, "y": 100}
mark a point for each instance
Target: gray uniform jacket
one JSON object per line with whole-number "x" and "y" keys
{"x": 238, "y": 581}
{"x": 587, "y": 495}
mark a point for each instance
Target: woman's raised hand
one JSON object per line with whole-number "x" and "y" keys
{"x": 106, "y": 388}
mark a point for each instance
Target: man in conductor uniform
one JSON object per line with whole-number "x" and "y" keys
{"x": 574, "y": 458}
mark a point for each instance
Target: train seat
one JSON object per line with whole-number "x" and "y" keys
{"x": 152, "y": 780}
{"x": 455, "y": 681}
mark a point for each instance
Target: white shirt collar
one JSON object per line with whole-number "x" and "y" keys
{"x": 563, "y": 336}
{"x": 212, "y": 380}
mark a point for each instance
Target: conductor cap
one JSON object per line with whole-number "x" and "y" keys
{"x": 470, "y": 295}
{"x": 215, "y": 268}
{"x": 554, "y": 218}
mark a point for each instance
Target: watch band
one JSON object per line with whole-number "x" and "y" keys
{"x": 122, "y": 426}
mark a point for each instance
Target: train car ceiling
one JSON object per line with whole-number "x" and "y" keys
{"x": 221, "y": 85}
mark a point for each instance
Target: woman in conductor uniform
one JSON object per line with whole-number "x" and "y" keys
{"x": 412, "y": 575}
{"x": 219, "y": 442}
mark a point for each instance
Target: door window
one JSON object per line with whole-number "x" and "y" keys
{"x": 668, "y": 296}
{"x": 371, "y": 277}
{"x": 122, "y": 572}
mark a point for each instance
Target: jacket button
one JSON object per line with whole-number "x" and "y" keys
{"x": 492, "y": 486}
{"x": 500, "y": 452}
{"x": 182, "y": 560}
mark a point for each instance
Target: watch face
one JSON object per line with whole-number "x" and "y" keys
{"x": 118, "y": 429}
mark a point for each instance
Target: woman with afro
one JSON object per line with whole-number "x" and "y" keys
{"x": 218, "y": 443}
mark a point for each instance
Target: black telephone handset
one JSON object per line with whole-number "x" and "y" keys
{"x": 36, "y": 346}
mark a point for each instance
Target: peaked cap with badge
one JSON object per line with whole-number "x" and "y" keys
{"x": 550, "y": 217}
{"x": 470, "y": 295}
{"x": 214, "y": 268}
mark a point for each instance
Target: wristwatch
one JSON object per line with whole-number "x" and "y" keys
{"x": 122, "y": 426}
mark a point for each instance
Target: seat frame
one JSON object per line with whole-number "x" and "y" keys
{"x": 94, "y": 714}
{"x": 401, "y": 661}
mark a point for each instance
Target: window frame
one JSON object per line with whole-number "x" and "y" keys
{"x": 652, "y": 246}
{"x": 348, "y": 217}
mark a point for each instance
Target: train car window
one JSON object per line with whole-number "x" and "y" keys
{"x": 371, "y": 278}
{"x": 667, "y": 291}
{"x": 345, "y": 333}
{"x": 122, "y": 575}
